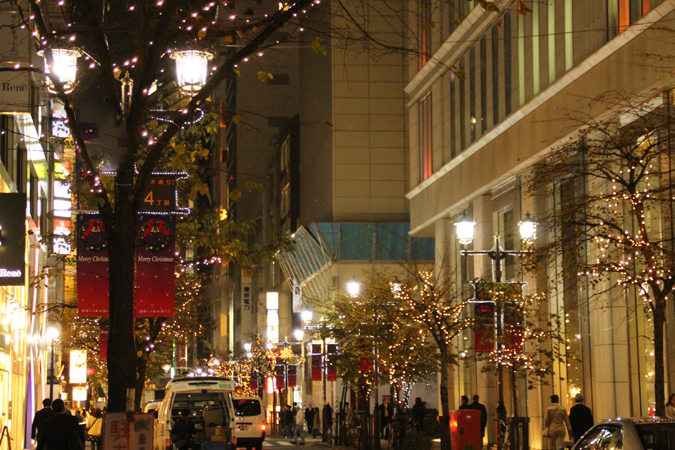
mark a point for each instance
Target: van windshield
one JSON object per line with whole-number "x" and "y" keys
{"x": 247, "y": 407}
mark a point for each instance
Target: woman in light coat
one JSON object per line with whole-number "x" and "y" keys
{"x": 94, "y": 422}
{"x": 556, "y": 421}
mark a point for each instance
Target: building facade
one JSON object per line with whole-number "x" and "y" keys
{"x": 492, "y": 93}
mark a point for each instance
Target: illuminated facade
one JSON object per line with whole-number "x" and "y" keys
{"x": 491, "y": 97}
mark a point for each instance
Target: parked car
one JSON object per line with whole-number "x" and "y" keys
{"x": 251, "y": 422}
{"x": 650, "y": 433}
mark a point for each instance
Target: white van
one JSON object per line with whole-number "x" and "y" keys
{"x": 251, "y": 422}
{"x": 209, "y": 401}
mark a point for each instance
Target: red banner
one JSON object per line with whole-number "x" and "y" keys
{"x": 484, "y": 336}
{"x": 92, "y": 266}
{"x": 103, "y": 344}
{"x": 316, "y": 368}
{"x": 513, "y": 327}
{"x": 155, "y": 266}
{"x": 331, "y": 371}
{"x": 292, "y": 376}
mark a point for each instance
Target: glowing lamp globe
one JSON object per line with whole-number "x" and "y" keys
{"x": 191, "y": 69}
{"x": 464, "y": 229}
{"x": 306, "y": 315}
{"x": 64, "y": 67}
{"x": 528, "y": 228}
{"x": 353, "y": 288}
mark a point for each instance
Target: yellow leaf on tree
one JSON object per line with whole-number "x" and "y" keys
{"x": 116, "y": 72}
{"x": 240, "y": 33}
{"x": 139, "y": 353}
{"x": 235, "y": 195}
{"x": 236, "y": 118}
{"x": 228, "y": 39}
{"x": 262, "y": 75}
{"x": 201, "y": 33}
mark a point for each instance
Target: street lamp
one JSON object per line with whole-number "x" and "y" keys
{"x": 353, "y": 287}
{"x": 298, "y": 334}
{"x": 191, "y": 69}
{"x": 247, "y": 346}
{"x": 528, "y": 229}
{"x": 306, "y": 315}
{"x": 465, "y": 229}
{"x": 64, "y": 66}
{"x": 52, "y": 334}
{"x": 465, "y": 235}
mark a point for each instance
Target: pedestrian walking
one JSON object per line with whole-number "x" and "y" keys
{"x": 465, "y": 402}
{"x": 581, "y": 418}
{"x": 289, "y": 422}
{"x": 309, "y": 419}
{"x": 349, "y": 415}
{"x": 670, "y": 407}
{"x": 299, "y": 426}
{"x": 483, "y": 413}
{"x": 39, "y": 419}
{"x": 328, "y": 418}
{"x": 316, "y": 428}
{"x": 382, "y": 411}
{"x": 94, "y": 429}
{"x": 60, "y": 432}
{"x": 555, "y": 422}
{"x": 419, "y": 412}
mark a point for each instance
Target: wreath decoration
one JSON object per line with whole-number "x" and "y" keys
{"x": 155, "y": 236}
{"x": 92, "y": 235}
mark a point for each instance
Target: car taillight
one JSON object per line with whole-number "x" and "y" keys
{"x": 234, "y": 439}
{"x": 264, "y": 427}
{"x": 168, "y": 442}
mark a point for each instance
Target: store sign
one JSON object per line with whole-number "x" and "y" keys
{"x": 79, "y": 393}
{"x": 12, "y": 239}
{"x": 78, "y": 366}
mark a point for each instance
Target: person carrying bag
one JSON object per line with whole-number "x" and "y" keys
{"x": 94, "y": 423}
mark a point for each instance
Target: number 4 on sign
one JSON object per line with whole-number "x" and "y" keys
{"x": 5, "y": 434}
{"x": 149, "y": 198}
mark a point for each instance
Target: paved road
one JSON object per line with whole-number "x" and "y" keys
{"x": 277, "y": 442}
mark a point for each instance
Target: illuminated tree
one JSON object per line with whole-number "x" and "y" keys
{"x": 369, "y": 328}
{"x": 613, "y": 225}
{"x": 531, "y": 342}
{"x": 435, "y": 304}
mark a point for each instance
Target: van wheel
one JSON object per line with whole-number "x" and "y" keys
{"x": 258, "y": 446}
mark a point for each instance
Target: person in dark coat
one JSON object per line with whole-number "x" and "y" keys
{"x": 45, "y": 413}
{"x": 465, "y": 403}
{"x": 581, "y": 417}
{"x": 58, "y": 431}
{"x": 309, "y": 419}
{"x": 483, "y": 414}
{"x": 419, "y": 412}
{"x": 182, "y": 432}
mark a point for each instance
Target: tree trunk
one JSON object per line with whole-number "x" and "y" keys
{"x": 659, "y": 367}
{"x": 141, "y": 368}
{"x": 445, "y": 401}
{"x": 121, "y": 253}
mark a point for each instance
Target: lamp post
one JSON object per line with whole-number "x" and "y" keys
{"x": 52, "y": 334}
{"x": 465, "y": 234}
